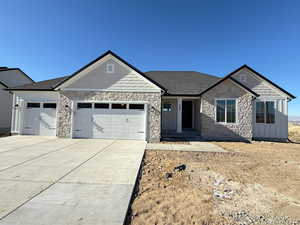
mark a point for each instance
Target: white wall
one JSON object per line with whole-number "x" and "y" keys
{"x": 21, "y": 97}
{"x": 5, "y": 109}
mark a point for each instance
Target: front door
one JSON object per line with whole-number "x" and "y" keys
{"x": 187, "y": 114}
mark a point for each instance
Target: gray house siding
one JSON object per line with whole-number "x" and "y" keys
{"x": 64, "y": 117}
{"x": 242, "y": 129}
{"x": 278, "y": 130}
{"x": 5, "y": 112}
{"x": 256, "y": 84}
{"x": 123, "y": 78}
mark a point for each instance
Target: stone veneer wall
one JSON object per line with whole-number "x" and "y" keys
{"x": 242, "y": 129}
{"x": 153, "y": 114}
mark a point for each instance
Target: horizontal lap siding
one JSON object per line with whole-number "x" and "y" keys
{"x": 123, "y": 79}
{"x": 266, "y": 92}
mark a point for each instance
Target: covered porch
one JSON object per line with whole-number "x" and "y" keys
{"x": 181, "y": 117}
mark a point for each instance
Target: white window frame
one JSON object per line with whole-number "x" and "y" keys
{"x": 236, "y": 110}
{"x": 265, "y": 112}
{"x": 110, "y": 68}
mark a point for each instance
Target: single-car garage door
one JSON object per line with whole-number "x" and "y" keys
{"x": 39, "y": 119}
{"x": 109, "y": 120}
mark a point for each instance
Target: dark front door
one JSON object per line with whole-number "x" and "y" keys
{"x": 187, "y": 114}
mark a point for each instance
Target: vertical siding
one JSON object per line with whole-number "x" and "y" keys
{"x": 279, "y": 129}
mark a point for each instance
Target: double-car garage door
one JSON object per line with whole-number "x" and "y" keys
{"x": 109, "y": 120}
{"x": 90, "y": 120}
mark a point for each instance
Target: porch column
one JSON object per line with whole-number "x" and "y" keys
{"x": 179, "y": 115}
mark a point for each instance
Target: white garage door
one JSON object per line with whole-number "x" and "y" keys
{"x": 104, "y": 120}
{"x": 39, "y": 119}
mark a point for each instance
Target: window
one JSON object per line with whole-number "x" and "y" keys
{"x": 265, "y": 112}
{"x": 167, "y": 107}
{"x": 221, "y": 110}
{"x": 49, "y": 105}
{"x": 231, "y": 111}
{"x": 110, "y": 68}
{"x": 136, "y": 106}
{"x": 33, "y": 105}
{"x": 260, "y": 112}
{"x": 101, "y": 105}
{"x": 118, "y": 106}
{"x": 270, "y": 112}
{"x": 84, "y": 105}
{"x": 226, "y": 111}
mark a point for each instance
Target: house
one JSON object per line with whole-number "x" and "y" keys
{"x": 109, "y": 98}
{"x": 9, "y": 77}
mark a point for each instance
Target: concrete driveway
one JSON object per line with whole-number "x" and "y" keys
{"x": 46, "y": 180}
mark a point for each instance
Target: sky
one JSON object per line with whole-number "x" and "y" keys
{"x": 50, "y": 38}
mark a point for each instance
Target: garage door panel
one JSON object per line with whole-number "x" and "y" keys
{"x": 38, "y": 119}
{"x": 102, "y": 125}
{"x": 48, "y": 122}
{"x": 31, "y": 122}
{"x": 82, "y": 119}
{"x": 111, "y": 123}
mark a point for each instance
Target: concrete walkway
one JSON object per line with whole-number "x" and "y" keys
{"x": 189, "y": 146}
{"x": 66, "y": 182}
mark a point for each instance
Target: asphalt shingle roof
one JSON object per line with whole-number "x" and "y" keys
{"x": 176, "y": 82}
{"x": 183, "y": 82}
{"x": 41, "y": 85}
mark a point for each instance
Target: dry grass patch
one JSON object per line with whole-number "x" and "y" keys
{"x": 294, "y": 132}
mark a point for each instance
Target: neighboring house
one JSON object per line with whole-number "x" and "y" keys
{"x": 109, "y": 98}
{"x": 9, "y": 77}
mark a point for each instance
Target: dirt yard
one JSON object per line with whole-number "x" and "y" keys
{"x": 256, "y": 183}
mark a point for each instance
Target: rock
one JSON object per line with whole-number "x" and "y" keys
{"x": 169, "y": 175}
{"x": 218, "y": 182}
{"x": 180, "y": 168}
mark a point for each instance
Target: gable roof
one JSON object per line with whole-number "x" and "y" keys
{"x": 252, "y": 70}
{"x": 233, "y": 80}
{"x": 266, "y": 79}
{"x": 8, "y": 69}
{"x": 46, "y": 85}
{"x": 186, "y": 83}
{"x": 109, "y": 52}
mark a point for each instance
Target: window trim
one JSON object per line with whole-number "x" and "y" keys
{"x": 236, "y": 110}
{"x": 265, "y": 112}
